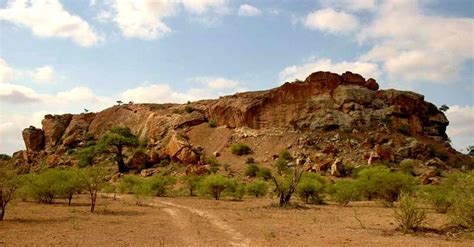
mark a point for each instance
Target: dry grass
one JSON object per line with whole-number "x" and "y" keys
{"x": 203, "y": 222}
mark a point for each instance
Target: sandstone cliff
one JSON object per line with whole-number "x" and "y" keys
{"x": 325, "y": 117}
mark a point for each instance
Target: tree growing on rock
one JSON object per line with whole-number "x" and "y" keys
{"x": 116, "y": 140}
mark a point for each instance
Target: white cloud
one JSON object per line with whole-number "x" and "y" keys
{"x": 48, "y": 18}
{"x": 201, "y": 7}
{"x": 216, "y": 82}
{"x": 461, "y": 128}
{"x": 155, "y": 93}
{"x": 43, "y": 74}
{"x": 300, "y": 72}
{"x": 413, "y": 46}
{"x": 248, "y": 10}
{"x": 7, "y": 73}
{"x": 351, "y": 5}
{"x": 331, "y": 21}
{"x": 142, "y": 19}
{"x": 18, "y": 94}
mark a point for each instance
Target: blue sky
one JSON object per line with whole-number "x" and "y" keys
{"x": 61, "y": 56}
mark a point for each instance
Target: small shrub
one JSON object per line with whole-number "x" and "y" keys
{"x": 407, "y": 166}
{"x": 236, "y": 190}
{"x": 462, "y": 210}
{"x": 310, "y": 187}
{"x": 408, "y": 215}
{"x": 128, "y": 183}
{"x": 160, "y": 185}
{"x": 344, "y": 192}
{"x": 214, "y": 185}
{"x": 240, "y": 149}
{"x": 252, "y": 170}
{"x": 188, "y": 109}
{"x": 192, "y": 183}
{"x": 212, "y": 123}
{"x": 257, "y": 188}
{"x": 264, "y": 173}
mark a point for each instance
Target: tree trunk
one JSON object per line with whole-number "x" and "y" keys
{"x": 121, "y": 164}
{"x": 2, "y": 214}
{"x": 69, "y": 199}
{"x": 93, "y": 201}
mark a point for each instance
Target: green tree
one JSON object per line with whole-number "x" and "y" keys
{"x": 94, "y": 179}
{"x": 9, "y": 183}
{"x": 214, "y": 185}
{"x": 69, "y": 184}
{"x": 116, "y": 140}
{"x": 160, "y": 185}
{"x": 310, "y": 187}
{"x": 191, "y": 182}
{"x": 86, "y": 155}
{"x": 444, "y": 108}
{"x": 286, "y": 180}
{"x": 344, "y": 191}
{"x": 252, "y": 170}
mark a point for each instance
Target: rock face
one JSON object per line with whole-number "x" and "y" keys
{"x": 33, "y": 138}
{"x": 54, "y": 127}
{"x": 321, "y": 111}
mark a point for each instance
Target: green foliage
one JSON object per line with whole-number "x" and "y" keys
{"x": 264, "y": 173}
{"x": 407, "y": 166}
{"x": 408, "y": 215}
{"x": 214, "y": 185}
{"x": 257, "y": 188}
{"x": 310, "y": 187}
{"x": 252, "y": 170}
{"x": 212, "y": 123}
{"x": 160, "y": 185}
{"x": 240, "y": 149}
{"x": 189, "y": 109}
{"x": 286, "y": 183}
{"x": 128, "y": 183}
{"x": 44, "y": 186}
{"x": 438, "y": 196}
{"x": 94, "y": 179}
{"x": 281, "y": 163}
{"x": 344, "y": 191}
{"x": 86, "y": 155}
{"x": 115, "y": 140}
{"x": 236, "y": 190}
{"x": 380, "y": 182}
{"x": 192, "y": 183}
{"x": 9, "y": 183}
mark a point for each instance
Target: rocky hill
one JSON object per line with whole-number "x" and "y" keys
{"x": 332, "y": 121}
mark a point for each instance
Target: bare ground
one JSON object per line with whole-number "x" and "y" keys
{"x": 205, "y": 222}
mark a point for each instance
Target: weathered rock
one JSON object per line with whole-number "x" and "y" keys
{"x": 216, "y": 154}
{"x": 138, "y": 161}
{"x": 54, "y": 127}
{"x": 179, "y": 149}
{"x": 148, "y": 172}
{"x": 435, "y": 162}
{"x": 430, "y": 177}
{"x": 336, "y": 168}
{"x": 52, "y": 160}
{"x": 33, "y": 138}
{"x": 77, "y": 129}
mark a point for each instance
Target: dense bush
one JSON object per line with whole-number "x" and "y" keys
{"x": 160, "y": 185}
{"x": 240, "y": 149}
{"x": 407, "y": 166}
{"x": 408, "y": 215}
{"x": 344, "y": 191}
{"x": 191, "y": 182}
{"x": 214, "y": 185}
{"x": 236, "y": 190}
{"x": 381, "y": 183}
{"x": 257, "y": 188}
{"x": 310, "y": 188}
{"x": 252, "y": 170}
{"x": 9, "y": 183}
{"x": 264, "y": 173}
{"x": 50, "y": 184}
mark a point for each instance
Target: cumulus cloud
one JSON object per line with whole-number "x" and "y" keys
{"x": 351, "y": 5}
{"x": 216, "y": 82}
{"x": 142, "y": 19}
{"x": 412, "y": 46}
{"x": 18, "y": 94}
{"x": 43, "y": 74}
{"x": 7, "y": 73}
{"x": 461, "y": 128}
{"x": 48, "y": 18}
{"x": 302, "y": 71}
{"x": 154, "y": 93}
{"x": 248, "y": 10}
{"x": 201, "y": 7}
{"x": 330, "y": 20}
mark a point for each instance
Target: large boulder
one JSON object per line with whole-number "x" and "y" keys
{"x": 33, "y": 138}
{"x": 179, "y": 149}
{"x": 54, "y": 127}
{"x": 77, "y": 128}
{"x": 139, "y": 160}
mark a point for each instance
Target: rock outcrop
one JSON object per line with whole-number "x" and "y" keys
{"x": 327, "y": 116}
